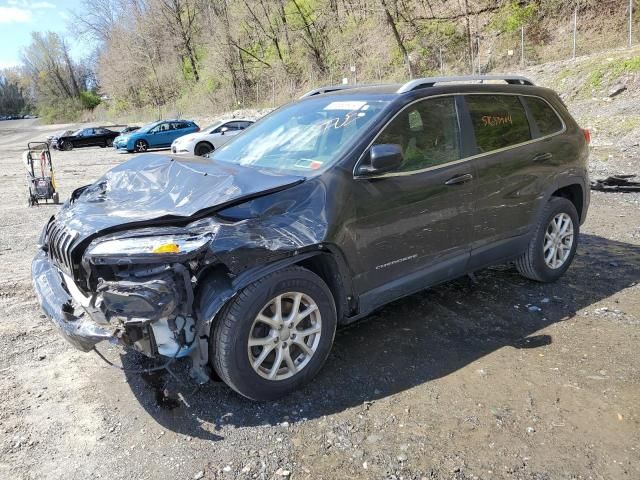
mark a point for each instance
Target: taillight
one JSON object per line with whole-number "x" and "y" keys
{"x": 587, "y": 135}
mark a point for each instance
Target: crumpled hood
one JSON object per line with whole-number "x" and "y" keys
{"x": 151, "y": 187}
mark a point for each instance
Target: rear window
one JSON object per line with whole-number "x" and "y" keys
{"x": 545, "y": 117}
{"x": 498, "y": 121}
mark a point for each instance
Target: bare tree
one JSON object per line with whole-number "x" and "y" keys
{"x": 396, "y": 35}
{"x": 181, "y": 20}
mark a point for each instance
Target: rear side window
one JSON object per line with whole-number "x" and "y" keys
{"x": 499, "y": 121}
{"x": 427, "y": 132}
{"x": 546, "y": 119}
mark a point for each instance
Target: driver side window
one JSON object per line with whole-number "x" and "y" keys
{"x": 427, "y": 132}
{"x": 225, "y": 126}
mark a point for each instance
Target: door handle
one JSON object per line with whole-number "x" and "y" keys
{"x": 459, "y": 179}
{"x": 542, "y": 157}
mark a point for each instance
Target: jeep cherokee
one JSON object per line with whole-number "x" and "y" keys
{"x": 320, "y": 213}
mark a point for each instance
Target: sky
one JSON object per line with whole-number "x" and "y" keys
{"x": 18, "y": 18}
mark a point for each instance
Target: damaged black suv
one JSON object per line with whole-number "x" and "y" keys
{"x": 323, "y": 211}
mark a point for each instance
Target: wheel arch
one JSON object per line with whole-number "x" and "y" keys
{"x": 134, "y": 140}
{"x": 575, "y": 194}
{"x": 203, "y": 142}
{"x": 573, "y": 187}
{"x": 217, "y": 287}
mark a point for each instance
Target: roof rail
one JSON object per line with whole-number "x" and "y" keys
{"x": 328, "y": 89}
{"x": 430, "y": 82}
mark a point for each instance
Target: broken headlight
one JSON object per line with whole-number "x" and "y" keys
{"x": 152, "y": 245}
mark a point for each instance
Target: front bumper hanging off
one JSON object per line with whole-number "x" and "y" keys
{"x": 75, "y": 324}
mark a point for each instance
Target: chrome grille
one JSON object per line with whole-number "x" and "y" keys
{"x": 59, "y": 241}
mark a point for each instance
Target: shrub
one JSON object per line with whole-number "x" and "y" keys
{"x": 89, "y": 99}
{"x": 60, "y": 110}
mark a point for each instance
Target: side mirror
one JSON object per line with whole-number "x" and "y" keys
{"x": 223, "y": 129}
{"x": 383, "y": 158}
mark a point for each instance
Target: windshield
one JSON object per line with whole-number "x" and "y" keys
{"x": 77, "y": 132}
{"x": 302, "y": 137}
{"x": 147, "y": 127}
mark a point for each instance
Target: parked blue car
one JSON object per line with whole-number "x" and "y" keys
{"x": 154, "y": 135}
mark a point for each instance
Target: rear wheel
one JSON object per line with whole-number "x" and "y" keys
{"x": 56, "y": 198}
{"x": 553, "y": 245}
{"x": 108, "y": 142}
{"x": 203, "y": 148}
{"x": 275, "y": 335}
{"x": 140, "y": 146}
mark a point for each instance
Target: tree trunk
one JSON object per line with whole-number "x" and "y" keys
{"x": 311, "y": 40}
{"x": 468, "y": 31}
{"x": 396, "y": 35}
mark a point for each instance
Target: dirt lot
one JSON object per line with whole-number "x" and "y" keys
{"x": 503, "y": 379}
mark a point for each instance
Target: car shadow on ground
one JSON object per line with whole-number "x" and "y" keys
{"x": 409, "y": 342}
{"x": 148, "y": 150}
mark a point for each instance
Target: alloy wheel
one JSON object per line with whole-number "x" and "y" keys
{"x": 558, "y": 240}
{"x": 284, "y": 336}
{"x": 141, "y": 146}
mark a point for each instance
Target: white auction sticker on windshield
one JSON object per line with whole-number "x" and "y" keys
{"x": 345, "y": 105}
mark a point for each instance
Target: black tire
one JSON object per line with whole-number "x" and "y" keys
{"x": 56, "y": 198}
{"x": 140, "y": 146}
{"x": 203, "y": 148}
{"x": 228, "y": 344}
{"x": 532, "y": 263}
{"x": 66, "y": 146}
{"x": 108, "y": 142}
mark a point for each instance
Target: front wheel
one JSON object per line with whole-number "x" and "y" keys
{"x": 140, "y": 146}
{"x": 554, "y": 242}
{"x": 203, "y": 148}
{"x": 66, "y": 146}
{"x": 275, "y": 335}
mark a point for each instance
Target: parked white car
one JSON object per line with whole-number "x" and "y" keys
{"x": 210, "y": 138}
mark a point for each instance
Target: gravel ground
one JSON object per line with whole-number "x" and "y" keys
{"x": 505, "y": 378}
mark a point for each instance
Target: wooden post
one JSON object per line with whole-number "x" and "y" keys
{"x": 575, "y": 29}
{"x": 522, "y": 46}
{"x": 630, "y": 23}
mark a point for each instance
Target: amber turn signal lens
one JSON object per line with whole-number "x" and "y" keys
{"x": 167, "y": 248}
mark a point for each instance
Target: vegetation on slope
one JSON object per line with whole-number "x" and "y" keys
{"x": 162, "y": 56}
